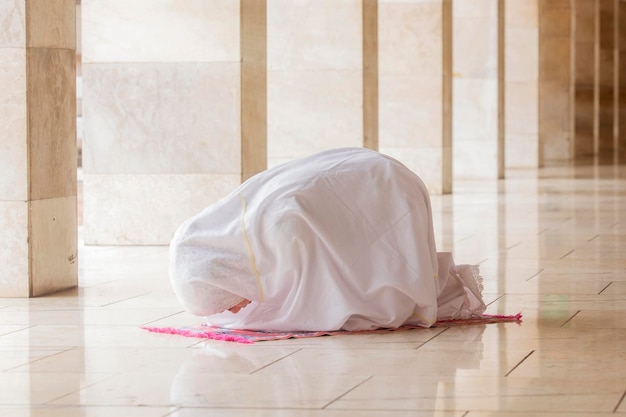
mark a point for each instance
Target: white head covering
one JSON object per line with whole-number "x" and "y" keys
{"x": 208, "y": 279}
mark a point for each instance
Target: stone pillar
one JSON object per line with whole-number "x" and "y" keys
{"x": 621, "y": 82}
{"x": 607, "y": 73}
{"x": 415, "y": 87}
{"x": 37, "y": 147}
{"x": 477, "y": 109}
{"x": 555, "y": 86}
{"x": 370, "y": 74}
{"x": 585, "y": 77}
{"x": 522, "y": 83}
{"x": 315, "y": 76}
{"x": 253, "y": 29}
{"x": 163, "y": 111}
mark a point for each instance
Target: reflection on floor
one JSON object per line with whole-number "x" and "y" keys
{"x": 550, "y": 244}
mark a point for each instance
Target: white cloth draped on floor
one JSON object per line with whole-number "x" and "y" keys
{"x": 339, "y": 240}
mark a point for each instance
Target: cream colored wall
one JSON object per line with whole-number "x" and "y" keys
{"x": 522, "y": 83}
{"x": 161, "y": 114}
{"x": 314, "y": 77}
{"x": 414, "y": 67}
{"x": 475, "y": 105}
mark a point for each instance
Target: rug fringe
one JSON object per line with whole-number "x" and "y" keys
{"x": 200, "y": 335}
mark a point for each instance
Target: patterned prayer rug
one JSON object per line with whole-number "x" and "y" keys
{"x": 204, "y": 331}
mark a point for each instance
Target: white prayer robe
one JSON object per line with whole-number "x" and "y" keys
{"x": 339, "y": 240}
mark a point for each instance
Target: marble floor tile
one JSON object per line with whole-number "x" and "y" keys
{"x": 11, "y": 358}
{"x": 499, "y": 413}
{"x": 105, "y": 316}
{"x": 195, "y": 388}
{"x": 572, "y": 363}
{"x": 103, "y": 336}
{"x": 484, "y": 393}
{"x": 202, "y": 412}
{"x": 40, "y": 388}
{"x": 236, "y": 359}
{"x": 597, "y": 319}
{"x": 549, "y": 243}
{"x": 51, "y": 411}
{"x": 402, "y": 362}
{"x": 616, "y": 288}
{"x": 6, "y": 327}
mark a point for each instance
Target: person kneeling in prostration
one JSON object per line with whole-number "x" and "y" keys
{"x": 339, "y": 240}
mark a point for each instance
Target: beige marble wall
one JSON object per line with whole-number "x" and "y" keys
{"x": 162, "y": 114}
{"x": 555, "y": 87}
{"x": 607, "y": 72}
{"x": 476, "y": 89}
{"x": 522, "y": 83}
{"x": 314, "y": 76}
{"x": 37, "y": 147}
{"x": 415, "y": 87}
{"x": 585, "y": 77}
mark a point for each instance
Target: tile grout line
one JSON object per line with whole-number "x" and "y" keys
{"x": 619, "y": 402}
{"x": 347, "y": 392}
{"x": 538, "y": 272}
{"x": 173, "y": 412}
{"x": 514, "y": 246}
{"x": 497, "y": 299}
{"x": 519, "y": 363}
{"x": 277, "y": 360}
{"x": 163, "y": 318}
{"x": 125, "y": 299}
{"x": 570, "y": 319}
{"x": 593, "y": 238}
{"x": 41, "y": 358}
{"x": 608, "y": 285}
{"x": 28, "y": 326}
{"x": 437, "y": 335}
{"x": 48, "y": 403}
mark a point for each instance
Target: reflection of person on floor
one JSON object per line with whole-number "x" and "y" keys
{"x": 338, "y": 240}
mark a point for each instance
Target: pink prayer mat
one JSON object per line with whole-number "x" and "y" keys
{"x": 205, "y": 331}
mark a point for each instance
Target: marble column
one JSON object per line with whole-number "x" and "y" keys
{"x": 555, "y": 86}
{"x": 37, "y": 147}
{"x": 522, "y": 83}
{"x": 314, "y": 77}
{"x": 607, "y": 81}
{"x": 415, "y": 87}
{"x": 165, "y": 111}
{"x": 253, "y": 32}
{"x": 370, "y": 75}
{"x": 621, "y": 82}
{"x": 477, "y": 98}
{"x": 585, "y": 74}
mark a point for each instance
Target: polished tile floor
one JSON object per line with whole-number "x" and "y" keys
{"x": 551, "y": 244}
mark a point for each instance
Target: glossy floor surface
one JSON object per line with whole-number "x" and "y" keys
{"x": 551, "y": 244}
